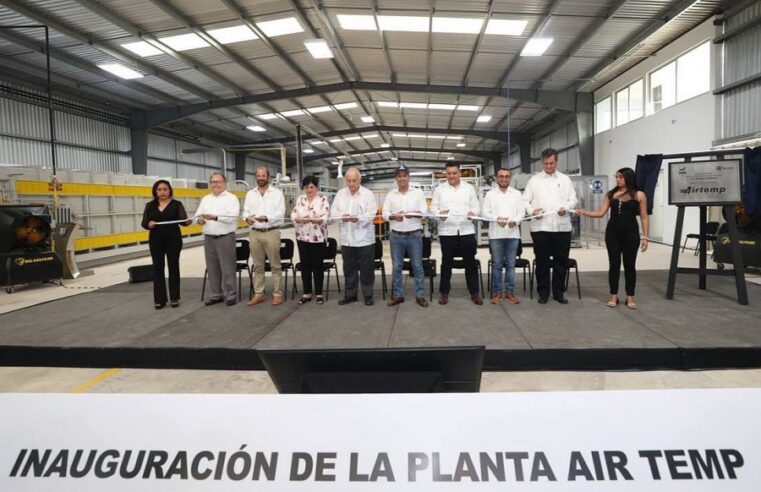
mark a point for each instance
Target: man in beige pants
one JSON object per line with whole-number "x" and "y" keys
{"x": 264, "y": 209}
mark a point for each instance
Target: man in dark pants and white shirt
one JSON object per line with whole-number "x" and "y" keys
{"x": 550, "y": 194}
{"x": 458, "y": 200}
{"x": 355, "y": 207}
{"x": 218, "y": 214}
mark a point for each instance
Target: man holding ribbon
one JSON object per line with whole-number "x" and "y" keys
{"x": 263, "y": 209}
{"x": 355, "y": 207}
{"x": 218, "y": 214}
{"x": 404, "y": 208}
{"x": 504, "y": 208}
{"x": 549, "y": 197}
{"x": 454, "y": 202}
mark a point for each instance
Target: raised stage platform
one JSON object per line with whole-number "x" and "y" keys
{"x": 118, "y": 327}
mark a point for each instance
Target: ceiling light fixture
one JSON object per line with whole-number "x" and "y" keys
{"x": 387, "y": 104}
{"x": 256, "y": 128}
{"x": 234, "y": 34}
{"x": 467, "y": 107}
{"x": 457, "y": 25}
{"x": 404, "y": 23}
{"x": 348, "y": 105}
{"x": 184, "y": 42}
{"x": 461, "y": 144}
{"x": 280, "y": 27}
{"x": 368, "y": 119}
{"x": 506, "y": 27}
{"x": 536, "y": 46}
{"x": 318, "y": 48}
{"x": 141, "y": 48}
{"x": 308, "y": 151}
{"x": 293, "y": 112}
{"x": 447, "y": 107}
{"x": 413, "y": 105}
{"x": 319, "y": 109}
{"x": 121, "y": 71}
{"x": 484, "y": 118}
{"x": 267, "y": 116}
{"x": 357, "y": 22}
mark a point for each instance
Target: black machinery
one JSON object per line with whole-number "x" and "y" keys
{"x": 26, "y": 253}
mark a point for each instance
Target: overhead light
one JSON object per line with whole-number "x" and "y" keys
{"x": 454, "y": 137}
{"x": 350, "y": 139}
{"x": 405, "y": 23}
{"x": 394, "y": 159}
{"x": 448, "y": 107}
{"x": 437, "y": 137}
{"x": 385, "y": 145}
{"x": 121, "y": 71}
{"x": 318, "y": 48}
{"x": 234, "y": 34}
{"x": 536, "y": 46}
{"x": 280, "y": 27}
{"x": 368, "y": 119}
{"x": 420, "y": 173}
{"x": 506, "y": 27}
{"x": 461, "y": 144}
{"x": 466, "y": 107}
{"x": 336, "y": 140}
{"x": 371, "y": 135}
{"x": 387, "y": 104}
{"x": 184, "y": 42}
{"x": 450, "y": 158}
{"x": 256, "y": 128}
{"x": 308, "y": 151}
{"x": 293, "y": 112}
{"x": 484, "y": 118}
{"x": 317, "y": 142}
{"x": 413, "y": 105}
{"x": 400, "y": 135}
{"x": 268, "y": 116}
{"x": 457, "y": 25}
{"x": 357, "y": 22}
{"x": 348, "y": 105}
{"x": 141, "y": 48}
{"x": 319, "y": 109}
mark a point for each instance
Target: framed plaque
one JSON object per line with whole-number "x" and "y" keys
{"x": 717, "y": 182}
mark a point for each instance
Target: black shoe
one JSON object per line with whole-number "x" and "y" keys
{"x": 231, "y": 302}
{"x": 346, "y": 300}
{"x": 369, "y": 301}
{"x": 209, "y": 302}
{"x": 174, "y": 304}
{"x": 159, "y": 305}
{"x": 560, "y": 299}
{"x": 542, "y": 300}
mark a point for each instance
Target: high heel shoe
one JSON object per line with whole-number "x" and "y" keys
{"x": 631, "y": 304}
{"x": 612, "y": 304}
{"x": 304, "y": 300}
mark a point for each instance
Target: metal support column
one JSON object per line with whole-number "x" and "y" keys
{"x": 139, "y": 140}
{"x": 585, "y": 133}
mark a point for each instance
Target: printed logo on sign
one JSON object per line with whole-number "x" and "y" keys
{"x": 597, "y": 187}
{"x": 702, "y": 189}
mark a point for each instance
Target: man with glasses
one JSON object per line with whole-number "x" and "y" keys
{"x": 218, "y": 214}
{"x": 355, "y": 207}
{"x": 504, "y": 208}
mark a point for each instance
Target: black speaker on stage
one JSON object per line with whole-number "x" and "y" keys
{"x": 26, "y": 253}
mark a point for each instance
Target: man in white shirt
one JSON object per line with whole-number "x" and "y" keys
{"x": 504, "y": 207}
{"x": 218, "y": 214}
{"x": 549, "y": 195}
{"x": 355, "y": 207}
{"x": 264, "y": 209}
{"x": 455, "y": 201}
{"x": 403, "y": 208}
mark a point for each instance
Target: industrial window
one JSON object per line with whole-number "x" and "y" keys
{"x": 662, "y": 88}
{"x": 693, "y": 72}
{"x": 630, "y": 103}
{"x": 603, "y": 115}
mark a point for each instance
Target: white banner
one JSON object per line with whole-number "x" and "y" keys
{"x": 678, "y": 440}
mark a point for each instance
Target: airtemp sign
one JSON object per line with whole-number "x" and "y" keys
{"x": 705, "y": 182}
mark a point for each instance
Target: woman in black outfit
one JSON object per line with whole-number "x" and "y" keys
{"x": 622, "y": 233}
{"x": 164, "y": 240}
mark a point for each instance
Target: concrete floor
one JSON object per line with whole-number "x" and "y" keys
{"x": 46, "y": 379}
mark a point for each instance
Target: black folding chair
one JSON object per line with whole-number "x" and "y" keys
{"x": 521, "y": 263}
{"x": 286, "y": 263}
{"x": 429, "y": 265}
{"x": 328, "y": 264}
{"x": 379, "y": 265}
{"x": 458, "y": 263}
{"x": 572, "y": 263}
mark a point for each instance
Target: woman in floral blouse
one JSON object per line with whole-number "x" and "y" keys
{"x": 310, "y": 216}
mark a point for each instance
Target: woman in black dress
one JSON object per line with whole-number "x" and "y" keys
{"x": 165, "y": 240}
{"x": 622, "y": 233}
